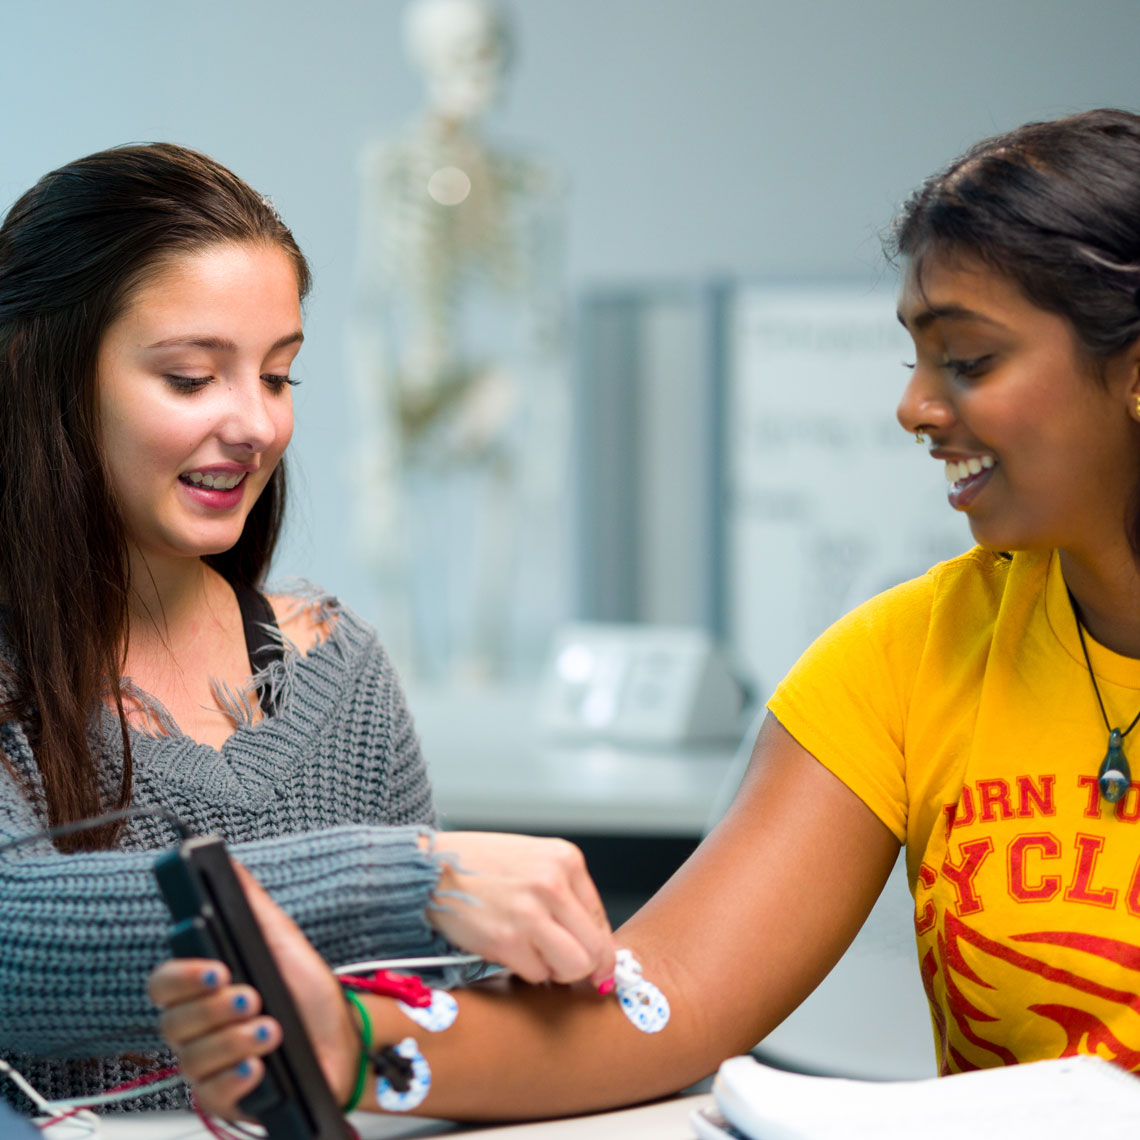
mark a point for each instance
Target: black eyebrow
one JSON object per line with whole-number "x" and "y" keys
{"x": 220, "y": 344}
{"x": 946, "y": 313}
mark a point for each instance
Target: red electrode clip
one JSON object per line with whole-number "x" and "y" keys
{"x": 403, "y": 987}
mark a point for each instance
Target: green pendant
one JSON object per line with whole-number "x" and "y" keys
{"x": 1114, "y": 777}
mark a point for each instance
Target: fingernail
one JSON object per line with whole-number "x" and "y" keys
{"x": 210, "y": 978}
{"x": 262, "y": 1033}
{"x": 241, "y": 1003}
{"x": 243, "y": 1069}
{"x": 606, "y": 987}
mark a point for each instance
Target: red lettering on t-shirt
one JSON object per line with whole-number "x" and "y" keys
{"x": 1016, "y": 857}
{"x": 1133, "y": 898}
{"x": 994, "y": 796}
{"x": 1092, "y": 808}
{"x": 925, "y": 915}
{"x": 1127, "y": 810}
{"x": 962, "y": 874}
{"x": 1040, "y": 794}
{"x": 1081, "y": 889}
{"x": 961, "y": 813}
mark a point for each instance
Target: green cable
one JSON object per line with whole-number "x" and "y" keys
{"x": 366, "y": 1049}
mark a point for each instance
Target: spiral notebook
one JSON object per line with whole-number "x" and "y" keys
{"x": 1067, "y": 1098}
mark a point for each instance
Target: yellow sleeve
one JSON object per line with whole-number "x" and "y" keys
{"x": 846, "y": 699}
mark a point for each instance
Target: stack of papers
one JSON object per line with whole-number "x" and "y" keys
{"x": 1067, "y": 1098}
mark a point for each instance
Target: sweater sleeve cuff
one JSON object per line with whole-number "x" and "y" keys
{"x": 358, "y": 892}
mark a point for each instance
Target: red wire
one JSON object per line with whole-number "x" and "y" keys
{"x": 138, "y": 1082}
{"x": 149, "y": 1079}
{"x": 219, "y": 1131}
{"x": 222, "y": 1132}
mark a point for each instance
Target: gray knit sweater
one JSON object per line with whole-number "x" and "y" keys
{"x": 322, "y": 801}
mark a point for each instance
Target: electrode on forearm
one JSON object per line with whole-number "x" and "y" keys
{"x": 431, "y": 1009}
{"x": 403, "y": 1077}
{"x": 641, "y": 1001}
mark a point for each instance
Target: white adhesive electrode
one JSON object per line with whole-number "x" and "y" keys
{"x": 389, "y": 1098}
{"x": 438, "y": 1016}
{"x": 641, "y": 1001}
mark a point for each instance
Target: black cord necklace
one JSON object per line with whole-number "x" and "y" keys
{"x": 1114, "y": 777}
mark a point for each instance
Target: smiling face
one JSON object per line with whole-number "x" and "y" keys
{"x": 193, "y": 394}
{"x": 1040, "y": 451}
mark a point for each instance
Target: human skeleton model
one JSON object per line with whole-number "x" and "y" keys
{"x": 454, "y": 350}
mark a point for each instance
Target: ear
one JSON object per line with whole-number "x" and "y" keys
{"x": 1127, "y": 367}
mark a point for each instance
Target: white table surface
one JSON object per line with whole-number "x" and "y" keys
{"x": 491, "y": 768}
{"x": 662, "y": 1120}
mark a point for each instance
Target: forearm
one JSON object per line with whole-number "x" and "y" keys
{"x": 739, "y": 936}
{"x": 79, "y": 934}
{"x": 357, "y": 892}
{"x": 520, "y": 1052}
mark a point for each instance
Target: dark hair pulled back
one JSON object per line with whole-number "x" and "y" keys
{"x": 73, "y": 251}
{"x": 1055, "y": 208}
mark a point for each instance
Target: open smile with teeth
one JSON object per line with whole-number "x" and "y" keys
{"x": 958, "y": 471}
{"x": 218, "y": 482}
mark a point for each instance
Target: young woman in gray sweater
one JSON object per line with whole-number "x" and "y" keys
{"x": 150, "y": 313}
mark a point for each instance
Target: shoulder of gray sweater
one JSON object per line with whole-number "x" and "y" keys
{"x": 338, "y": 658}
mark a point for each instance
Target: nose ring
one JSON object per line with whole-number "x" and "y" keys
{"x": 920, "y": 437}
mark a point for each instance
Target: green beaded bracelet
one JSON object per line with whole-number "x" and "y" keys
{"x": 366, "y": 1049}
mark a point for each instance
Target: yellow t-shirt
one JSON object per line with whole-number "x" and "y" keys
{"x": 958, "y": 707}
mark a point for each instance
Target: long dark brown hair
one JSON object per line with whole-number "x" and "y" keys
{"x": 1054, "y": 207}
{"x": 73, "y": 251}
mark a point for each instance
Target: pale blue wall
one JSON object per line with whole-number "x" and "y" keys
{"x": 701, "y": 136}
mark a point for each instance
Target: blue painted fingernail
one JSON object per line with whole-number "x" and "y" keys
{"x": 210, "y": 978}
{"x": 262, "y": 1033}
{"x": 241, "y": 1003}
{"x": 244, "y": 1069}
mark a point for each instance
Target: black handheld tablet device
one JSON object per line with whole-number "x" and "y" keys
{"x": 212, "y": 919}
